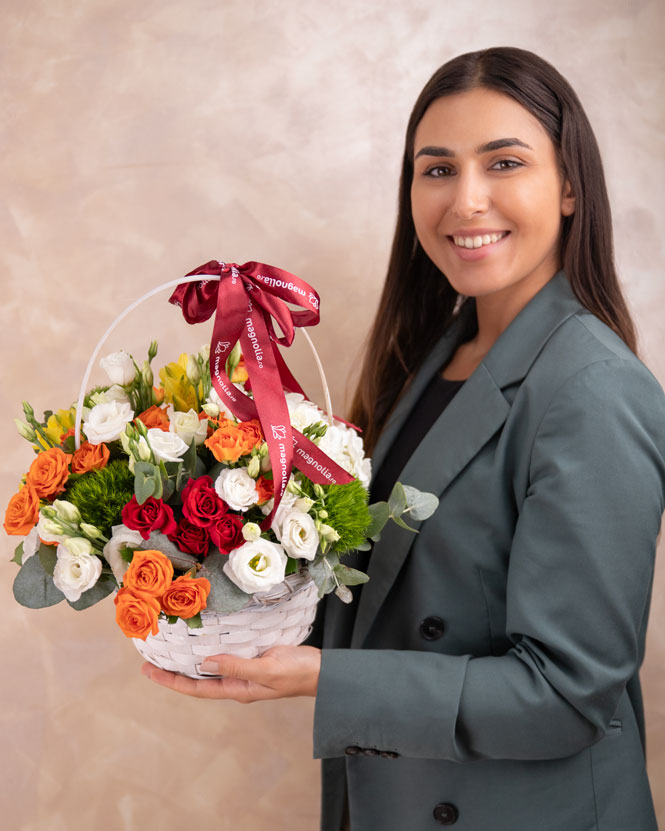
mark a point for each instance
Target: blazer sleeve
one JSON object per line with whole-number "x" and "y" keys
{"x": 579, "y": 578}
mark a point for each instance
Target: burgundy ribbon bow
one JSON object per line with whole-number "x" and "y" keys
{"x": 245, "y": 301}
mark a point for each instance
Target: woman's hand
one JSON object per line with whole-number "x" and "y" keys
{"x": 281, "y": 672}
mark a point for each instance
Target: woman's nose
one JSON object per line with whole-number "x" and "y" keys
{"x": 471, "y": 194}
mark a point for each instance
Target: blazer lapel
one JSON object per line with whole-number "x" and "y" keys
{"x": 469, "y": 421}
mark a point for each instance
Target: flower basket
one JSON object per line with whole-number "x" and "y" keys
{"x": 282, "y": 616}
{"x": 214, "y": 507}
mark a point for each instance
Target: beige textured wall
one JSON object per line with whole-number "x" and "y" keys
{"x": 142, "y": 139}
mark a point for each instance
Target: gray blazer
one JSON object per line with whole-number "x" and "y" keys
{"x": 492, "y": 677}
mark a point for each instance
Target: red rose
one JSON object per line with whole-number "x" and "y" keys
{"x": 226, "y": 533}
{"x": 153, "y": 515}
{"x": 191, "y": 538}
{"x": 200, "y": 502}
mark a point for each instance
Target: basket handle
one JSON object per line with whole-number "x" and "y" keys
{"x": 171, "y": 284}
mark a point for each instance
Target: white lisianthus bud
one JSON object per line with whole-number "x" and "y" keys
{"x": 265, "y": 463}
{"x": 124, "y": 440}
{"x": 106, "y": 422}
{"x": 65, "y": 511}
{"x": 298, "y": 535}
{"x": 49, "y": 530}
{"x": 119, "y": 367}
{"x": 147, "y": 374}
{"x": 304, "y": 504}
{"x": 237, "y": 488}
{"x": 192, "y": 370}
{"x": 251, "y": 531}
{"x": 121, "y": 537}
{"x": 188, "y": 426}
{"x": 254, "y": 467}
{"x": 77, "y": 568}
{"x": 329, "y": 533}
{"x": 256, "y": 566}
{"x": 91, "y": 531}
{"x": 211, "y": 409}
{"x": 292, "y": 486}
{"x": 143, "y": 450}
{"x": 204, "y": 352}
{"x": 166, "y": 446}
{"x": 24, "y": 429}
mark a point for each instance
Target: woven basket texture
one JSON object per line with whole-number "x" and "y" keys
{"x": 282, "y": 616}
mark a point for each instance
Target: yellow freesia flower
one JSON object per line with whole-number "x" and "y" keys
{"x": 60, "y": 422}
{"x": 178, "y": 389}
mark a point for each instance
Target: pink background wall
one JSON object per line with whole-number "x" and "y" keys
{"x": 143, "y": 139}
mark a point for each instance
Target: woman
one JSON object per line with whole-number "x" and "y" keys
{"x": 487, "y": 675}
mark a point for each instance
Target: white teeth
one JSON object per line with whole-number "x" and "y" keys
{"x": 477, "y": 242}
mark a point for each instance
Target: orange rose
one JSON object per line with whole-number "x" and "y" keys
{"x": 49, "y": 472}
{"x": 155, "y": 417}
{"x": 186, "y": 596}
{"x": 136, "y": 614}
{"x": 90, "y": 457}
{"x": 240, "y": 374}
{"x": 252, "y": 434}
{"x": 22, "y": 512}
{"x": 227, "y": 443}
{"x": 265, "y": 489}
{"x": 150, "y": 572}
{"x": 158, "y": 395}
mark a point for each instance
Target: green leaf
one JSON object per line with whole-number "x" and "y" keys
{"x": 366, "y": 546}
{"x": 144, "y": 487}
{"x": 172, "y": 619}
{"x": 18, "y": 555}
{"x": 225, "y": 597}
{"x": 194, "y": 622}
{"x": 399, "y": 521}
{"x": 34, "y": 588}
{"x": 291, "y": 566}
{"x": 380, "y": 513}
{"x": 127, "y": 553}
{"x": 159, "y": 542}
{"x": 321, "y": 572}
{"x": 48, "y": 557}
{"x": 189, "y": 458}
{"x": 421, "y": 504}
{"x": 397, "y": 500}
{"x": 102, "y": 588}
{"x": 349, "y": 576}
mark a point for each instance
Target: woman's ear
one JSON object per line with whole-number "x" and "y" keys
{"x": 567, "y": 199}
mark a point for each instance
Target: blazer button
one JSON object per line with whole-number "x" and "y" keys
{"x": 370, "y": 751}
{"x": 389, "y": 754}
{"x": 432, "y": 628}
{"x": 445, "y": 813}
{"x": 353, "y": 750}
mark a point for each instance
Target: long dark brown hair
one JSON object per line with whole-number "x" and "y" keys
{"x": 405, "y": 328}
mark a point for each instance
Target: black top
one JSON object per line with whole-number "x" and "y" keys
{"x": 432, "y": 402}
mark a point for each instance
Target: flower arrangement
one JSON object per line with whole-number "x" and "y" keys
{"x": 159, "y": 492}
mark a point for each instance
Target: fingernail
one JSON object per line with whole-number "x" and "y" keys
{"x": 209, "y": 668}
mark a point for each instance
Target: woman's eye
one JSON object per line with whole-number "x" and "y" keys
{"x": 440, "y": 171}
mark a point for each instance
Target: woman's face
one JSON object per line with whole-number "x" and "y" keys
{"x": 461, "y": 188}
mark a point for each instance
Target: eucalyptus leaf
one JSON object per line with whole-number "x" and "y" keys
{"x": 160, "y": 542}
{"x": 397, "y": 500}
{"x": 321, "y": 572}
{"x": 18, "y": 555}
{"x": 349, "y": 576}
{"x": 366, "y": 546}
{"x": 380, "y": 513}
{"x": 189, "y": 458}
{"x": 399, "y": 521}
{"x": 34, "y": 588}
{"x": 102, "y": 588}
{"x": 168, "y": 489}
{"x": 195, "y": 621}
{"x": 225, "y": 597}
{"x": 48, "y": 557}
{"x": 421, "y": 504}
{"x": 144, "y": 487}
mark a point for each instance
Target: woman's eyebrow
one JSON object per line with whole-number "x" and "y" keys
{"x": 483, "y": 148}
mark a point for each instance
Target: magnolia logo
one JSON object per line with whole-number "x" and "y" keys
{"x": 314, "y": 300}
{"x": 222, "y": 346}
{"x": 278, "y": 431}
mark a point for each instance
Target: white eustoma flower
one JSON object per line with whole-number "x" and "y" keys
{"x": 301, "y": 411}
{"x": 114, "y": 393}
{"x": 223, "y": 410}
{"x": 105, "y": 422}
{"x": 188, "y": 426}
{"x": 121, "y": 537}
{"x": 251, "y": 531}
{"x": 119, "y": 366}
{"x": 288, "y": 501}
{"x": 298, "y": 535}
{"x": 77, "y": 568}
{"x": 256, "y": 566}
{"x": 237, "y": 488}
{"x": 31, "y": 544}
{"x": 345, "y": 447}
{"x": 166, "y": 446}
{"x": 50, "y": 530}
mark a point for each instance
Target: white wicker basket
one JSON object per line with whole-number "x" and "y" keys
{"x": 281, "y": 616}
